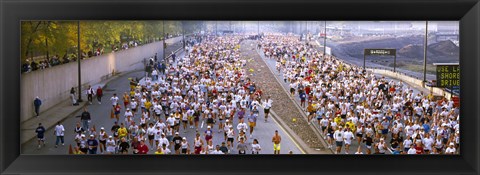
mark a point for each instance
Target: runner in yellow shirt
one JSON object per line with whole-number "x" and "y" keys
{"x": 159, "y": 150}
{"x": 122, "y": 131}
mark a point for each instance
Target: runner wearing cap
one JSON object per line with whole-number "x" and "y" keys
{"x": 381, "y": 146}
{"x": 92, "y": 145}
{"x": 226, "y": 127}
{"x": 177, "y": 141}
{"x": 163, "y": 140}
{"x": 185, "y": 146}
{"x": 102, "y": 138}
{"x": 128, "y": 113}
{"x": 451, "y": 149}
{"x": 208, "y": 134}
{"x": 110, "y": 145}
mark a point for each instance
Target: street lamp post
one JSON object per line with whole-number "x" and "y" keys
{"x": 183, "y": 33}
{"x": 79, "y": 56}
{"x": 425, "y": 54}
{"x": 325, "y": 40}
{"x": 164, "y": 46}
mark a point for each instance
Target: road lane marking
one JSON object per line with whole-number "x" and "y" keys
{"x": 289, "y": 136}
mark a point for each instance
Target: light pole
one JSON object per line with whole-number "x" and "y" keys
{"x": 425, "y": 54}
{"x": 79, "y": 56}
{"x": 325, "y": 40}
{"x": 183, "y": 33}
{"x": 164, "y": 44}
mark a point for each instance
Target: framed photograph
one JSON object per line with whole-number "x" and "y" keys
{"x": 205, "y": 87}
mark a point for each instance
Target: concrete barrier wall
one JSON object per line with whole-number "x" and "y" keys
{"x": 53, "y": 85}
{"x": 412, "y": 80}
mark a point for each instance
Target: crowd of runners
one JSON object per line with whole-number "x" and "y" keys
{"x": 210, "y": 86}
{"x": 207, "y": 86}
{"x": 350, "y": 104}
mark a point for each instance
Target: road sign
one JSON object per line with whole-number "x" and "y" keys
{"x": 381, "y": 52}
{"x": 448, "y": 75}
{"x": 328, "y": 51}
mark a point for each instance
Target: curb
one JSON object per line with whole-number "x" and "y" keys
{"x": 295, "y": 138}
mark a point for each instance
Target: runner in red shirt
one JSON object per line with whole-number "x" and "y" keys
{"x": 142, "y": 148}
{"x": 419, "y": 148}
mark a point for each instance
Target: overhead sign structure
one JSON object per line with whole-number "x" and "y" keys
{"x": 381, "y": 52}
{"x": 448, "y": 75}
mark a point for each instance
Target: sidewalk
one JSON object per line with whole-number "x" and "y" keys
{"x": 58, "y": 113}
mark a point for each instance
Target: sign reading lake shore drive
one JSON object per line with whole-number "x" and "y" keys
{"x": 448, "y": 74}
{"x": 379, "y": 52}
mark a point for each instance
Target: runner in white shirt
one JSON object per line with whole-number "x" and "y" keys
{"x": 256, "y": 148}
{"x": 128, "y": 113}
{"x": 412, "y": 150}
{"x": 170, "y": 120}
{"x": 133, "y": 105}
{"x": 151, "y": 134}
{"x": 217, "y": 150}
{"x": 163, "y": 140}
{"x": 59, "y": 133}
{"x": 338, "y": 136}
{"x": 110, "y": 145}
{"x": 158, "y": 134}
{"x": 427, "y": 143}
{"x": 451, "y": 149}
{"x": 242, "y": 126}
{"x": 230, "y": 138}
{"x": 114, "y": 100}
{"x": 348, "y": 136}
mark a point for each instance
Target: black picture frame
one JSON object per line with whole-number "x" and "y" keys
{"x": 12, "y": 12}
